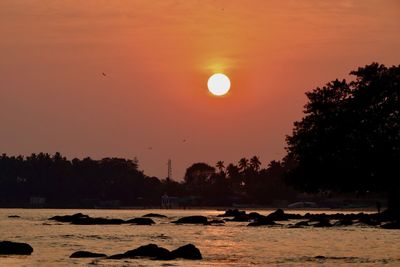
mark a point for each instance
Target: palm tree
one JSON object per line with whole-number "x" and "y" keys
{"x": 255, "y": 163}
{"x": 233, "y": 171}
{"x": 220, "y": 166}
{"x": 243, "y": 164}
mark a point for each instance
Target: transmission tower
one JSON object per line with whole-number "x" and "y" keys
{"x": 169, "y": 169}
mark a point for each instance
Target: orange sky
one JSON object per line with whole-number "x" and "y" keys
{"x": 158, "y": 56}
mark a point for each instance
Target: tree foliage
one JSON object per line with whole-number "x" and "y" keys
{"x": 349, "y": 137}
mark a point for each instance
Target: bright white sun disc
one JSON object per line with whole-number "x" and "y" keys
{"x": 219, "y": 84}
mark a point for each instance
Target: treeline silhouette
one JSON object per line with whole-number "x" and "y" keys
{"x": 116, "y": 181}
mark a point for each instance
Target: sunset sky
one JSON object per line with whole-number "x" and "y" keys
{"x": 153, "y": 101}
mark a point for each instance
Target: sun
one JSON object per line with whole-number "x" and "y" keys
{"x": 219, "y": 84}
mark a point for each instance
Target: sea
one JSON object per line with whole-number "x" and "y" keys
{"x": 232, "y": 244}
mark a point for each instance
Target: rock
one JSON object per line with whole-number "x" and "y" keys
{"x": 302, "y": 223}
{"x": 141, "y": 221}
{"x": 324, "y": 222}
{"x": 280, "y": 215}
{"x": 150, "y": 251}
{"x": 255, "y": 215}
{"x": 368, "y": 220}
{"x": 239, "y": 218}
{"x": 153, "y": 251}
{"x": 262, "y": 221}
{"x": 344, "y": 222}
{"x": 320, "y": 257}
{"x": 154, "y": 215}
{"x": 94, "y": 221}
{"x": 391, "y": 225}
{"x": 15, "y": 248}
{"x": 189, "y": 252}
{"x": 87, "y": 254}
{"x": 232, "y": 213}
{"x": 116, "y": 257}
{"x": 13, "y": 216}
{"x": 82, "y": 219}
{"x": 216, "y": 222}
{"x": 68, "y": 218}
{"x": 192, "y": 220}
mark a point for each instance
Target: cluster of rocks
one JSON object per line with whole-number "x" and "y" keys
{"x": 385, "y": 220}
{"x": 83, "y": 219}
{"x": 151, "y": 251}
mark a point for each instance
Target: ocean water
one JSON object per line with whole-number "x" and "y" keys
{"x": 233, "y": 244}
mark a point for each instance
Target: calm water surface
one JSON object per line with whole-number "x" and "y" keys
{"x": 233, "y": 244}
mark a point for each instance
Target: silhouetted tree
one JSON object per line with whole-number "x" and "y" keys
{"x": 220, "y": 165}
{"x": 243, "y": 164}
{"x": 349, "y": 138}
{"x": 255, "y": 163}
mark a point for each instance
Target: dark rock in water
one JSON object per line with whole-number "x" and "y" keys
{"x": 216, "y": 222}
{"x": 262, "y": 221}
{"x": 366, "y": 219}
{"x": 68, "y": 218}
{"x": 300, "y": 224}
{"x": 154, "y": 215}
{"x": 141, "y": 221}
{"x": 239, "y": 218}
{"x": 82, "y": 219}
{"x": 15, "y": 248}
{"x": 391, "y": 225}
{"x": 189, "y": 252}
{"x": 324, "y": 222}
{"x": 116, "y": 257}
{"x": 192, "y": 220}
{"x": 87, "y": 254}
{"x": 344, "y": 222}
{"x": 254, "y": 215}
{"x": 150, "y": 251}
{"x": 13, "y": 216}
{"x": 93, "y": 221}
{"x": 280, "y": 215}
{"x": 153, "y": 251}
{"x": 232, "y": 213}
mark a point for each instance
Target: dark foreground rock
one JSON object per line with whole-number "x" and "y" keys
{"x": 153, "y": 251}
{"x": 15, "y": 248}
{"x": 141, "y": 221}
{"x": 192, "y": 220}
{"x": 87, "y": 254}
{"x": 189, "y": 252}
{"x": 154, "y": 215}
{"x": 150, "y": 251}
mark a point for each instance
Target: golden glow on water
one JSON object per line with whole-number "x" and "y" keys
{"x": 232, "y": 244}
